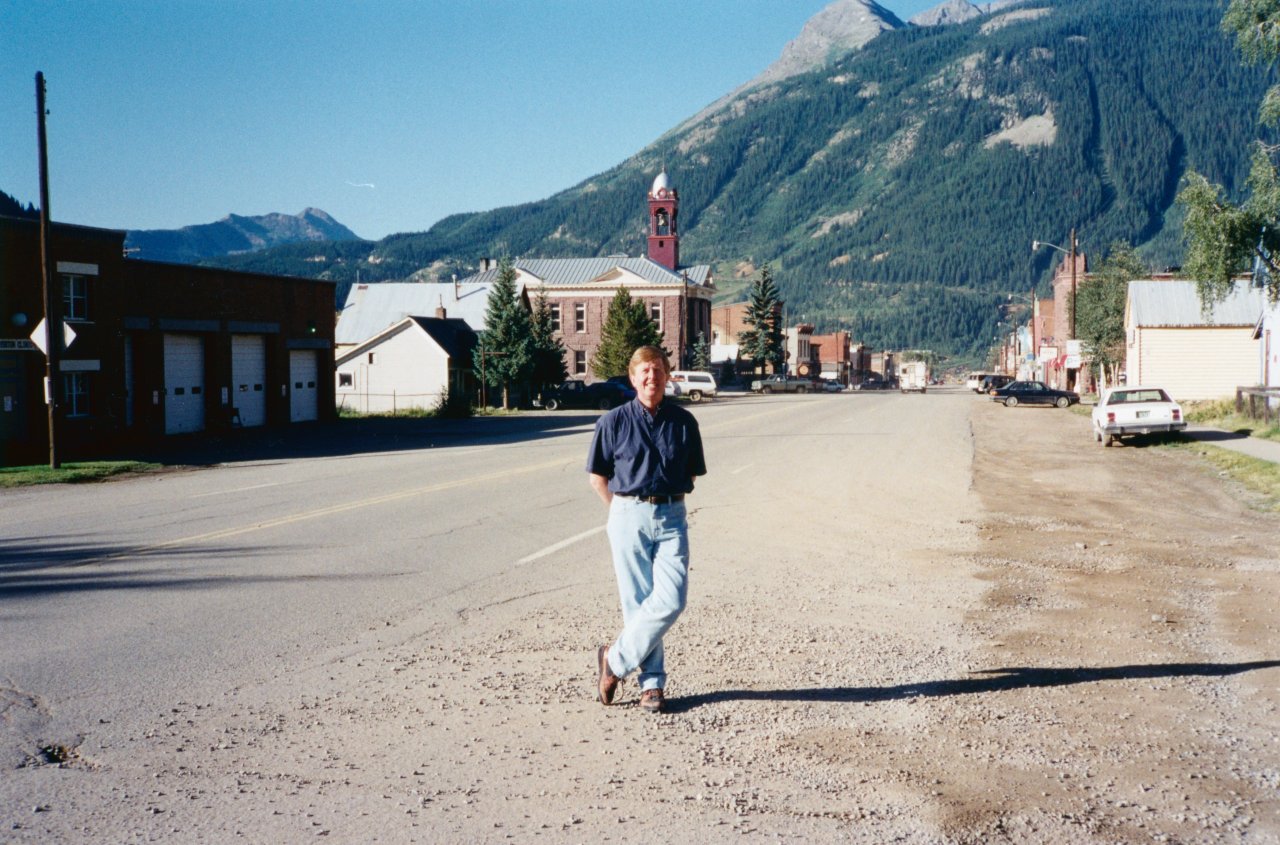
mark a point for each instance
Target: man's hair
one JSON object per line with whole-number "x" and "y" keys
{"x": 645, "y": 354}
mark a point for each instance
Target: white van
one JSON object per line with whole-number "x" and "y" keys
{"x": 694, "y": 384}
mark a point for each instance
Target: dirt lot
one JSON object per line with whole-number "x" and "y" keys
{"x": 1013, "y": 636}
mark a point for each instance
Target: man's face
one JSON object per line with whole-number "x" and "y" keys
{"x": 649, "y": 378}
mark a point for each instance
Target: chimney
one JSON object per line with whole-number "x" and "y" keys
{"x": 484, "y": 264}
{"x": 440, "y": 312}
{"x": 455, "y": 288}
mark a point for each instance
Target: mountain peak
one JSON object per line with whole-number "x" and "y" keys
{"x": 841, "y": 27}
{"x": 958, "y": 11}
{"x": 235, "y": 234}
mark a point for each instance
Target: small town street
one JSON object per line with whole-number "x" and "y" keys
{"x": 913, "y": 618}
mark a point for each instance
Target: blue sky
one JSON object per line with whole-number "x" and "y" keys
{"x": 388, "y": 115}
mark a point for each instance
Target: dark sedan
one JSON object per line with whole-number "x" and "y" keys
{"x": 576, "y": 393}
{"x": 1033, "y": 393}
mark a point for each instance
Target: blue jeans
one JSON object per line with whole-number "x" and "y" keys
{"x": 651, "y": 559}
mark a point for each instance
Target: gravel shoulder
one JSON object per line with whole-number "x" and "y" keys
{"x": 1006, "y": 636}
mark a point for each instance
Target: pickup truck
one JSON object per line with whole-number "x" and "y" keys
{"x": 778, "y": 383}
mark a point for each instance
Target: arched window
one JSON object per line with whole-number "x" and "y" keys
{"x": 662, "y": 223}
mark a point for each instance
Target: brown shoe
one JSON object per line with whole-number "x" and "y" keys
{"x": 606, "y": 682}
{"x": 651, "y": 701}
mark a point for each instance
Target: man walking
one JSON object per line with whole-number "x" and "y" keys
{"x": 643, "y": 459}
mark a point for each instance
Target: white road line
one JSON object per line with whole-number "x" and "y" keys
{"x": 563, "y": 544}
{"x": 742, "y": 469}
{"x": 238, "y": 489}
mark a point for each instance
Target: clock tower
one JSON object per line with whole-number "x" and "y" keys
{"x": 664, "y": 236}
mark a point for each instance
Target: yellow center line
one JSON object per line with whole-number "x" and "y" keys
{"x": 330, "y": 510}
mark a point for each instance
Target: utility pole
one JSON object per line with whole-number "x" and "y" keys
{"x": 52, "y": 313}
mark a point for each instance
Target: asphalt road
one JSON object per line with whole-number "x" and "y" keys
{"x": 383, "y": 631}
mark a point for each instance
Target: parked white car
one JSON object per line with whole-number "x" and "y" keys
{"x": 1129, "y": 411}
{"x": 694, "y": 384}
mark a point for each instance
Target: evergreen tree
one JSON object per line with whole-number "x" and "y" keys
{"x": 504, "y": 354}
{"x": 1099, "y": 309}
{"x": 548, "y": 350}
{"x": 762, "y": 342}
{"x": 627, "y": 327}
{"x": 701, "y": 353}
{"x": 1224, "y": 238}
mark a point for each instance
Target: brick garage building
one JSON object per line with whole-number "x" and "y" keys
{"x": 579, "y": 290}
{"x": 158, "y": 349}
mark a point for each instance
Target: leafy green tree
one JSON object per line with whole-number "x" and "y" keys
{"x": 1224, "y": 238}
{"x": 547, "y": 349}
{"x": 1099, "y": 309}
{"x": 504, "y": 354}
{"x": 762, "y": 342}
{"x": 701, "y": 353}
{"x": 627, "y": 326}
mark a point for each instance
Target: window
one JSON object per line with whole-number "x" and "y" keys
{"x": 655, "y": 314}
{"x": 345, "y": 380}
{"x": 372, "y": 357}
{"x": 579, "y": 362}
{"x": 555, "y": 316}
{"x": 580, "y": 317}
{"x": 75, "y": 394}
{"x": 75, "y": 297}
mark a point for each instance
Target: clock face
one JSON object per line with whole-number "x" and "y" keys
{"x": 662, "y": 192}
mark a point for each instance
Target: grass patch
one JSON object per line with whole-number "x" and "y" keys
{"x": 1259, "y": 477}
{"x": 69, "y": 473}
{"x": 1221, "y": 413}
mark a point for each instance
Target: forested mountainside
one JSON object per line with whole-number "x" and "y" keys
{"x": 896, "y": 192}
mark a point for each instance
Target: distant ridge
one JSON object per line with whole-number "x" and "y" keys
{"x": 234, "y": 235}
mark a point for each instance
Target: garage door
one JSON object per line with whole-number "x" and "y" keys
{"x": 302, "y": 385}
{"x": 183, "y": 383}
{"x": 248, "y": 378}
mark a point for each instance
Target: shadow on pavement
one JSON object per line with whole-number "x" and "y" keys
{"x": 993, "y": 680}
{"x": 353, "y": 437}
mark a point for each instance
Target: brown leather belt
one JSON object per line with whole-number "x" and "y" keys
{"x": 656, "y": 500}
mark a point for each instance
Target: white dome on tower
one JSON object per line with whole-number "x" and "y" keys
{"x": 660, "y": 182}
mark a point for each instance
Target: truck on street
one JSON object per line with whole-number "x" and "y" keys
{"x": 778, "y": 383}
{"x": 913, "y": 376}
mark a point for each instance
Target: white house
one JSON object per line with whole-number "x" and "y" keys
{"x": 1191, "y": 352}
{"x": 370, "y": 308}
{"x": 1267, "y": 335}
{"x": 414, "y": 363}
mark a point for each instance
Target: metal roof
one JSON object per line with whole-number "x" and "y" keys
{"x": 1176, "y": 303}
{"x": 370, "y": 308}
{"x": 554, "y": 272}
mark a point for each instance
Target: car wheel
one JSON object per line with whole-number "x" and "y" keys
{"x": 1111, "y": 440}
{"x": 695, "y": 395}
{"x": 802, "y": 390}
{"x": 552, "y": 404}
{"x": 1010, "y": 401}
{"x": 1062, "y": 402}
{"x": 1097, "y": 436}
{"x": 766, "y": 389}
{"x": 605, "y": 404}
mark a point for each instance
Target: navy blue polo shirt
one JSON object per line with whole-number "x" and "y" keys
{"x": 645, "y": 455}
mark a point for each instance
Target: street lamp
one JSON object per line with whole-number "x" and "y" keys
{"x": 1035, "y": 245}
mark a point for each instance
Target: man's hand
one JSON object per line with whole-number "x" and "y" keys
{"x": 600, "y": 484}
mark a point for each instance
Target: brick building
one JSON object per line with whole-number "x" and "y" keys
{"x": 579, "y": 290}
{"x": 154, "y": 349}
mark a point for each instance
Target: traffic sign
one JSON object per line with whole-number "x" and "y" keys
{"x": 40, "y": 336}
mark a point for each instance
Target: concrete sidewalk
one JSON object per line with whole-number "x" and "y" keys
{"x": 1256, "y": 447}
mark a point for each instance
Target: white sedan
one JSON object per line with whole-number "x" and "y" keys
{"x": 1128, "y": 411}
